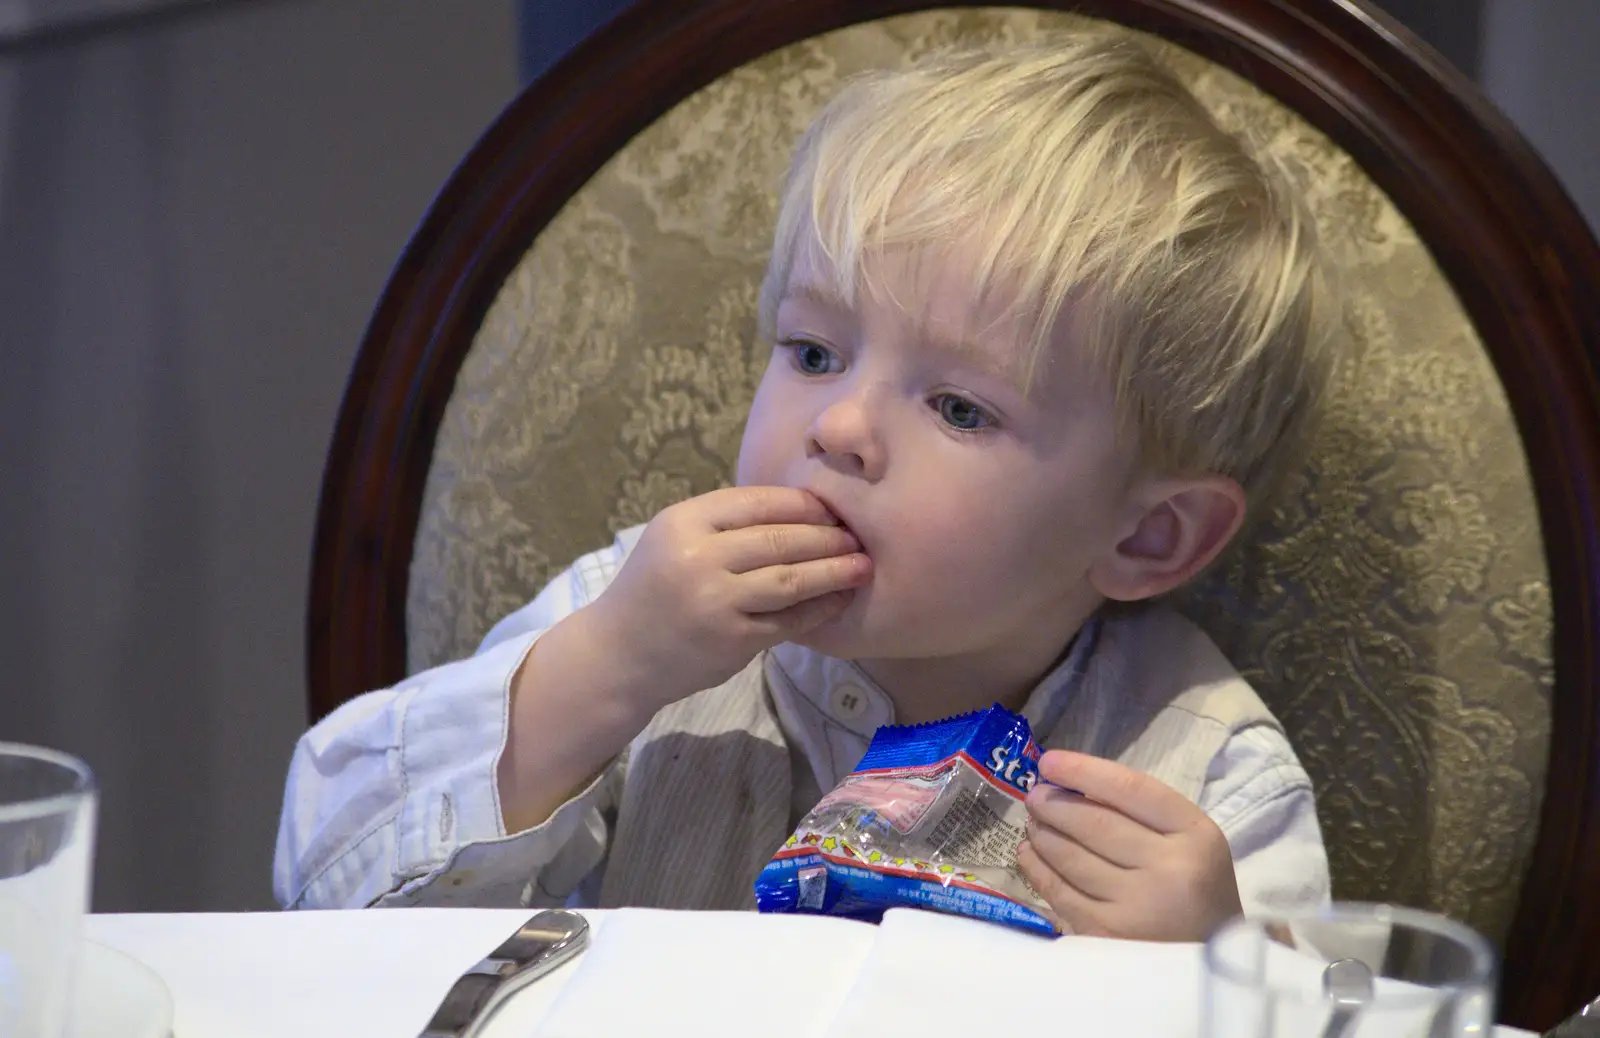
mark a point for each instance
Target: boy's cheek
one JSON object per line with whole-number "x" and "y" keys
{"x": 755, "y": 442}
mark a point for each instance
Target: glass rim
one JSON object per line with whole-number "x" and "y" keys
{"x": 1480, "y": 975}
{"x": 83, "y": 784}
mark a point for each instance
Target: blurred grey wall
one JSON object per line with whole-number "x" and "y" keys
{"x": 1541, "y": 65}
{"x": 196, "y": 216}
{"x": 550, "y": 28}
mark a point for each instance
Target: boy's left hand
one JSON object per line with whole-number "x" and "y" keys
{"x": 1130, "y": 857}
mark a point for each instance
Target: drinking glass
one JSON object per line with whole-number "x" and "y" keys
{"x": 1348, "y": 971}
{"x": 47, "y": 815}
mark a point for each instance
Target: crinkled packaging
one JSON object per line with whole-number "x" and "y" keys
{"x": 931, "y": 818}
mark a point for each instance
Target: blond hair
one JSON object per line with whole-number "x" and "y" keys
{"x": 1091, "y": 183}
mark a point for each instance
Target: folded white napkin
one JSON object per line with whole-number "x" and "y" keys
{"x": 707, "y": 974}
{"x": 930, "y": 974}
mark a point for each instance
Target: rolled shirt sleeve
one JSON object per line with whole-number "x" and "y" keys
{"x": 393, "y": 799}
{"x": 1261, "y": 798}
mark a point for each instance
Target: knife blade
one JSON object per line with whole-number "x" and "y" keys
{"x": 546, "y": 941}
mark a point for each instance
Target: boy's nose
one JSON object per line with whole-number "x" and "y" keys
{"x": 844, "y": 436}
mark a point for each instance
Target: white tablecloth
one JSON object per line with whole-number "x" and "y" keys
{"x": 381, "y": 973}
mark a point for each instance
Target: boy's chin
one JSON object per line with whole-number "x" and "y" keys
{"x": 858, "y": 633}
{"x": 842, "y": 637}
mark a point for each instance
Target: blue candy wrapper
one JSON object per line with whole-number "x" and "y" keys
{"x": 930, "y": 818}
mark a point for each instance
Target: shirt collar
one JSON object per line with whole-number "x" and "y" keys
{"x": 831, "y": 706}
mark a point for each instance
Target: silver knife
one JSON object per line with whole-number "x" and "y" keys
{"x": 539, "y": 946}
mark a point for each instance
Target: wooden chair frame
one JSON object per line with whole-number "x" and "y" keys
{"x": 1518, "y": 253}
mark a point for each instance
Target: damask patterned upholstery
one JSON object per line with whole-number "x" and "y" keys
{"x": 1393, "y": 611}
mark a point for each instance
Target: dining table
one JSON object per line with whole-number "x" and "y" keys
{"x": 382, "y": 972}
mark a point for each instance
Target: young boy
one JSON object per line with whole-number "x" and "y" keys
{"x": 1042, "y": 337}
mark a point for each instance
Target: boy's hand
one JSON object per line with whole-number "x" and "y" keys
{"x": 718, "y": 578}
{"x": 1130, "y": 857}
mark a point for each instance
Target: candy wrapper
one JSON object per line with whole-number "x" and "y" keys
{"x": 930, "y": 818}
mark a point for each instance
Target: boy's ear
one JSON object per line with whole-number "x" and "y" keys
{"x": 1183, "y": 525}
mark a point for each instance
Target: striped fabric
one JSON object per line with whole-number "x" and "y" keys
{"x": 706, "y": 798}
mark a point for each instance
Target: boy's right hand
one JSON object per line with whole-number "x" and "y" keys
{"x": 712, "y": 582}
{"x": 718, "y": 578}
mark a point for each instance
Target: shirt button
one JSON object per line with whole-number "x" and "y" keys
{"x": 849, "y": 701}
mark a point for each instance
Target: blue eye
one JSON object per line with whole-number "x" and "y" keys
{"x": 962, "y": 414}
{"x": 812, "y": 359}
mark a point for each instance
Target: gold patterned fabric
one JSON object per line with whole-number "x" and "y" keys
{"x": 1393, "y": 611}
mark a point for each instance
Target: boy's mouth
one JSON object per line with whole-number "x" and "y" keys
{"x": 840, "y": 519}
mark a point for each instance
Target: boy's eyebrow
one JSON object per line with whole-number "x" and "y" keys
{"x": 964, "y": 350}
{"x": 975, "y": 357}
{"x": 821, "y": 294}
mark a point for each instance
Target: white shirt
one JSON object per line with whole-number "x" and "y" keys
{"x": 393, "y": 799}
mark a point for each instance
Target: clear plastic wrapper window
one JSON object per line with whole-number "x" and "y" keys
{"x": 931, "y": 818}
